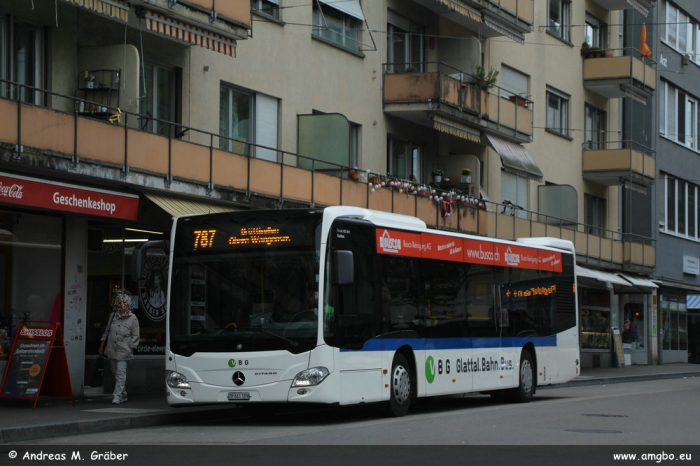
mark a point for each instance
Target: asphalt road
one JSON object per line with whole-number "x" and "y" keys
{"x": 661, "y": 412}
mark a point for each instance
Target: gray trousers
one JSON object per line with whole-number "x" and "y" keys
{"x": 119, "y": 371}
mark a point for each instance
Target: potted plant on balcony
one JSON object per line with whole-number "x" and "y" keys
{"x": 466, "y": 177}
{"x": 483, "y": 79}
{"x": 354, "y": 174}
{"x": 437, "y": 176}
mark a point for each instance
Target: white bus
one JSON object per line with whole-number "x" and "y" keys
{"x": 345, "y": 305}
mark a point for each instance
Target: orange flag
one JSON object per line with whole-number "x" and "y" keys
{"x": 645, "y": 51}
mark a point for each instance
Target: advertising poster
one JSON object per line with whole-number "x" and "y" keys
{"x": 27, "y": 364}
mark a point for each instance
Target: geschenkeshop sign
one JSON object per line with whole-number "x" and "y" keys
{"x": 38, "y": 363}
{"x": 32, "y": 192}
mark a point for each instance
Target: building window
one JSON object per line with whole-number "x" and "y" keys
{"x": 679, "y": 116}
{"x": 681, "y": 31}
{"x": 682, "y": 209}
{"x": 246, "y": 118}
{"x": 559, "y": 19}
{"x": 235, "y": 120}
{"x": 21, "y": 59}
{"x": 268, "y": 7}
{"x": 513, "y": 83}
{"x": 404, "y": 159}
{"x": 404, "y": 45}
{"x": 558, "y": 112}
{"x": 337, "y": 26}
{"x": 594, "y": 129}
{"x": 594, "y": 208}
{"x": 594, "y": 31}
{"x": 159, "y": 99}
{"x": 514, "y": 190}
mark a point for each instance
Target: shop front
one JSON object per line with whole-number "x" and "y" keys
{"x": 64, "y": 248}
{"x": 673, "y": 325}
{"x": 610, "y": 304}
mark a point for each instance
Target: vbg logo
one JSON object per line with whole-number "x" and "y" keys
{"x": 430, "y": 369}
{"x": 231, "y": 363}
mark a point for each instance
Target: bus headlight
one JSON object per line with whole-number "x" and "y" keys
{"x": 176, "y": 380}
{"x": 313, "y": 376}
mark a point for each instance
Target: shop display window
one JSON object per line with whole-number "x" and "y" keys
{"x": 595, "y": 329}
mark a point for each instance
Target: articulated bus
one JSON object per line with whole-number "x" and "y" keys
{"x": 346, "y": 305}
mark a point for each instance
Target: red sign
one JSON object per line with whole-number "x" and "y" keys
{"x": 57, "y": 196}
{"x": 399, "y": 243}
{"x": 473, "y": 251}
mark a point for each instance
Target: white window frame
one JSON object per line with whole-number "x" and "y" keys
{"x": 597, "y": 30}
{"x": 562, "y": 29}
{"x": 564, "y": 113}
{"x": 683, "y": 33}
{"x": 670, "y": 99}
{"x": 412, "y": 35}
{"x": 153, "y": 126}
{"x": 681, "y": 205}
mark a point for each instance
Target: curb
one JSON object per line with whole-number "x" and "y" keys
{"x": 623, "y": 379}
{"x": 64, "y": 429}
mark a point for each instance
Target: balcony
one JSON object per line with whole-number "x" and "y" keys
{"x": 232, "y": 18}
{"x": 116, "y": 154}
{"x": 619, "y": 163}
{"x": 502, "y": 18}
{"x": 449, "y": 93}
{"x": 642, "y": 6}
{"x": 617, "y": 77}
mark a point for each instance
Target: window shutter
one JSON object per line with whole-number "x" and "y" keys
{"x": 266, "y": 126}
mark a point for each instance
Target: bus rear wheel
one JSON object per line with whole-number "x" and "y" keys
{"x": 401, "y": 386}
{"x": 526, "y": 385}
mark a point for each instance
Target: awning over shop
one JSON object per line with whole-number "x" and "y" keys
{"x": 190, "y": 34}
{"x": 642, "y": 283}
{"x": 637, "y": 6}
{"x": 113, "y": 8}
{"x": 604, "y": 277}
{"x": 515, "y": 158}
{"x": 178, "y": 207}
{"x": 463, "y": 9}
{"x": 503, "y": 28}
{"x": 692, "y": 302}
{"x": 456, "y": 129}
{"x": 349, "y": 7}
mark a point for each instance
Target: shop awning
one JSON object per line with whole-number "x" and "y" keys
{"x": 505, "y": 29}
{"x": 178, "y": 207}
{"x": 640, "y": 8}
{"x": 190, "y": 34}
{"x": 515, "y": 158}
{"x": 113, "y": 8}
{"x": 604, "y": 277}
{"x": 463, "y": 9}
{"x": 692, "y": 302}
{"x": 642, "y": 283}
{"x": 456, "y": 129}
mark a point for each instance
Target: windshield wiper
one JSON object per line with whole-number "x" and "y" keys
{"x": 292, "y": 343}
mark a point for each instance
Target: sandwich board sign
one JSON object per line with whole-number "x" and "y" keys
{"x": 38, "y": 363}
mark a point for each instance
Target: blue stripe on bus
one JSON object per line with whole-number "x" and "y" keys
{"x": 390, "y": 344}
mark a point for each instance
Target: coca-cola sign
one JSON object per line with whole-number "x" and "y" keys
{"x": 14, "y": 190}
{"x": 21, "y": 190}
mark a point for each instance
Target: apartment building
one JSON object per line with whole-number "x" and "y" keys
{"x": 138, "y": 111}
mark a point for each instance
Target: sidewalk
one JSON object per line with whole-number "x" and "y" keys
{"x": 54, "y": 417}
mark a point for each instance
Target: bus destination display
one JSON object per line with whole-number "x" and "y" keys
{"x": 259, "y": 236}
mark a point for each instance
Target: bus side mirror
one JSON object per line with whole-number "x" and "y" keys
{"x": 344, "y": 269}
{"x": 138, "y": 257}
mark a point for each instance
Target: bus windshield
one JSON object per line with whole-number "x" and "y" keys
{"x": 245, "y": 281}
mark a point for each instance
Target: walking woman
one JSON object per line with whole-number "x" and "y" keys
{"x": 119, "y": 340}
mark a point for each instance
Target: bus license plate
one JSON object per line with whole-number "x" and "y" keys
{"x": 238, "y": 396}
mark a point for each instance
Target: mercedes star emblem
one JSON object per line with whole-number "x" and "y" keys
{"x": 238, "y": 378}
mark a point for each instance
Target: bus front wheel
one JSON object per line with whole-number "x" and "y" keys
{"x": 401, "y": 386}
{"x": 526, "y": 385}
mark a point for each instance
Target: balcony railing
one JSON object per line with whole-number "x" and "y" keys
{"x": 619, "y": 163}
{"x": 442, "y": 89}
{"x": 31, "y": 131}
{"x": 615, "y": 77}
